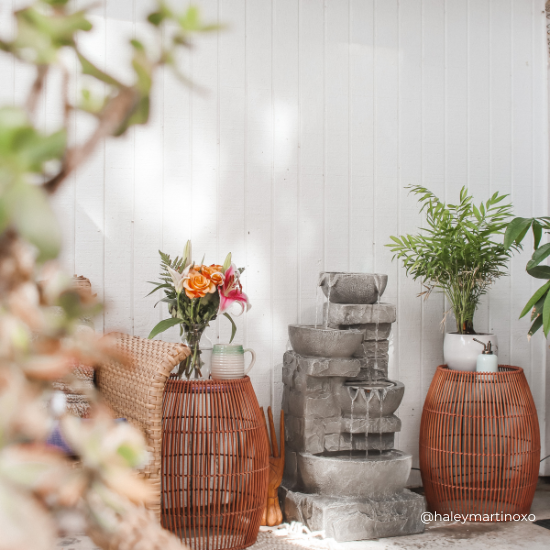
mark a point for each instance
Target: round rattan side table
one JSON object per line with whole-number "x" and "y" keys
{"x": 214, "y": 463}
{"x": 480, "y": 444}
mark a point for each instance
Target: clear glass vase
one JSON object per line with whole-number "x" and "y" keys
{"x": 198, "y": 364}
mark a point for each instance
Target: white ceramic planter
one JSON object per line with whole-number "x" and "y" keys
{"x": 460, "y": 351}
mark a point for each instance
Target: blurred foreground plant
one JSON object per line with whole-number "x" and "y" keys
{"x": 43, "y": 492}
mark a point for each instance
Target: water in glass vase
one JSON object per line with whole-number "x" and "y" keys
{"x": 198, "y": 364}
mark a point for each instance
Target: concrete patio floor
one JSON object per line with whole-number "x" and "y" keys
{"x": 471, "y": 536}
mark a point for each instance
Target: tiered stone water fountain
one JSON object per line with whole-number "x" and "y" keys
{"x": 342, "y": 474}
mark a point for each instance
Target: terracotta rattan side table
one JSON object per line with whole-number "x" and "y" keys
{"x": 214, "y": 463}
{"x": 479, "y": 443}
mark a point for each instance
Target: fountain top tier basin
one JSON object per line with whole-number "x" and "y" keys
{"x": 355, "y": 474}
{"x": 314, "y": 341}
{"x": 353, "y": 288}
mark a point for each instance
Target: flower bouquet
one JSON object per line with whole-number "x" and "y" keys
{"x": 196, "y": 294}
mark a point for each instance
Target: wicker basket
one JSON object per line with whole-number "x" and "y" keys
{"x": 214, "y": 463}
{"x": 134, "y": 391}
{"x": 480, "y": 444}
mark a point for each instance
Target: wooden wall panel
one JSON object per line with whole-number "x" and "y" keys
{"x": 311, "y": 158}
{"x": 407, "y": 334}
{"x": 285, "y": 198}
{"x": 315, "y": 116}
{"x": 259, "y": 192}
{"x": 119, "y": 186}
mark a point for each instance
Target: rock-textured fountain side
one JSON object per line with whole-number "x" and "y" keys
{"x": 342, "y": 474}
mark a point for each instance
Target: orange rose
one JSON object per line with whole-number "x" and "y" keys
{"x": 197, "y": 285}
{"x": 214, "y": 273}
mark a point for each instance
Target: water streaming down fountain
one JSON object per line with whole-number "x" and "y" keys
{"x": 368, "y": 396}
{"x": 327, "y": 303}
{"x": 318, "y": 297}
{"x": 381, "y": 394}
{"x": 353, "y": 398}
{"x": 342, "y": 473}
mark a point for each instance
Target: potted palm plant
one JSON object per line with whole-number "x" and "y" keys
{"x": 457, "y": 254}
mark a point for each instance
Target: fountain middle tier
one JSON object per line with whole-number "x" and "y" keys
{"x": 312, "y": 341}
{"x": 317, "y": 405}
{"x": 319, "y": 389}
{"x": 381, "y": 397}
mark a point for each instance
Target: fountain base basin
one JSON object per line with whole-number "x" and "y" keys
{"x": 346, "y": 519}
{"x": 354, "y": 474}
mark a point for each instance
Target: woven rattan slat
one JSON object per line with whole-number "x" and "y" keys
{"x": 214, "y": 463}
{"x": 480, "y": 444}
{"x": 134, "y": 391}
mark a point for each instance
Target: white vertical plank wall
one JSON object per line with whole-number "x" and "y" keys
{"x": 311, "y": 118}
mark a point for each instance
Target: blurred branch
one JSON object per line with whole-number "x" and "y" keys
{"x": 36, "y": 88}
{"x": 65, "y": 96}
{"x": 114, "y": 114}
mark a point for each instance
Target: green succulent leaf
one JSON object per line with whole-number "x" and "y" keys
{"x": 91, "y": 103}
{"x": 155, "y": 18}
{"x": 23, "y": 149}
{"x": 130, "y": 454}
{"x": 40, "y": 36}
{"x": 139, "y": 115}
{"x": 56, "y": 3}
{"x": 33, "y": 218}
{"x": 90, "y": 69}
{"x": 190, "y": 21}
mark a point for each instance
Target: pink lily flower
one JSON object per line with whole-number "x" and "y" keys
{"x": 231, "y": 291}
